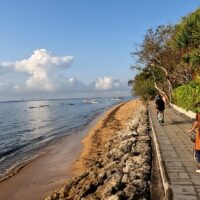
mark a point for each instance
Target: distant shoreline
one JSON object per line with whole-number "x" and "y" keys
{"x": 27, "y": 100}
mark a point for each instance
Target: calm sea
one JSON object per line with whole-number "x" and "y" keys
{"x": 27, "y": 127}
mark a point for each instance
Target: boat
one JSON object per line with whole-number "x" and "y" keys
{"x": 93, "y": 101}
{"x": 115, "y": 99}
{"x": 44, "y": 105}
{"x": 31, "y": 107}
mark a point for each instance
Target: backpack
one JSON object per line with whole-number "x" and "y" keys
{"x": 160, "y": 104}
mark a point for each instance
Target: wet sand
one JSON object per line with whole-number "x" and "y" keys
{"x": 36, "y": 179}
{"x": 47, "y": 172}
{"x": 51, "y": 170}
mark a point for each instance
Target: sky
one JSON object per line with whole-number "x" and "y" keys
{"x": 75, "y": 48}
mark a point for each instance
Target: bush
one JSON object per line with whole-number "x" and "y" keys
{"x": 187, "y": 96}
{"x": 143, "y": 85}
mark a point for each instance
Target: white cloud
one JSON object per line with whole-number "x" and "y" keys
{"x": 42, "y": 68}
{"x": 104, "y": 83}
{"x": 71, "y": 80}
{"x": 42, "y": 75}
{"x": 16, "y": 87}
{"x": 107, "y": 83}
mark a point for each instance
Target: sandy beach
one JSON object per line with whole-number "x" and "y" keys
{"x": 43, "y": 174}
{"x": 115, "y": 162}
{"x": 112, "y": 121}
{"x": 50, "y": 171}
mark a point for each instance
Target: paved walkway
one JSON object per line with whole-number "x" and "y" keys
{"x": 177, "y": 153}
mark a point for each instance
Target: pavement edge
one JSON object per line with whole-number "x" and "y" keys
{"x": 163, "y": 172}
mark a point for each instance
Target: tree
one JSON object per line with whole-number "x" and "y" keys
{"x": 168, "y": 56}
{"x": 143, "y": 85}
{"x": 154, "y": 52}
{"x": 187, "y": 40}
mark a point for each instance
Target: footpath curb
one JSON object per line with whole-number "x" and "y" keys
{"x": 165, "y": 181}
{"x": 188, "y": 113}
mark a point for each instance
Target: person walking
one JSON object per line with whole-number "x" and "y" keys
{"x": 160, "y": 106}
{"x": 196, "y": 128}
{"x": 166, "y": 100}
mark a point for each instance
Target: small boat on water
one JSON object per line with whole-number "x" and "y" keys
{"x": 93, "y": 101}
{"x": 31, "y": 107}
{"x": 86, "y": 100}
{"x": 115, "y": 99}
{"x": 44, "y": 106}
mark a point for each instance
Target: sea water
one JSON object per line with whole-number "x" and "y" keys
{"x": 27, "y": 127}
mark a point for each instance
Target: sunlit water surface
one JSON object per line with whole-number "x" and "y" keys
{"x": 26, "y": 127}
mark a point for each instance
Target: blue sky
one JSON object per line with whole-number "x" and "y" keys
{"x": 98, "y": 34}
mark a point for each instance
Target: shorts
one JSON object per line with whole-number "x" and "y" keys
{"x": 197, "y": 155}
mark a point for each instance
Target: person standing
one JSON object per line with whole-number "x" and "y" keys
{"x": 160, "y": 106}
{"x": 196, "y": 127}
{"x": 165, "y": 99}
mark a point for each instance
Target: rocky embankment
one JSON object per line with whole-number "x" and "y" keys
{"x": 121, "y": 172}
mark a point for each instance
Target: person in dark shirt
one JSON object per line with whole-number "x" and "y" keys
{"x": 160, "y": 106}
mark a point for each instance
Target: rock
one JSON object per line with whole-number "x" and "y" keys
{"x": 55, "y": 196}
{"x": 126, "y": 145}
{"x": 131, "y": 192}
{"x": 48, "y": 198}
{"x": 63, "y": 192}
{"x": 128, "y": 134}
{"x": 141, "y": 129}
{"x": 108, "y": 145}
{"x": 113, "y": 197}
{"x": 122, "y": 170}
{"x": 126, "y": 169}
{"x": 102, "y": 177}
{"x": 125, "y": 178}
{"x": 125, "y": 157}
{"x": 115, "y": 154}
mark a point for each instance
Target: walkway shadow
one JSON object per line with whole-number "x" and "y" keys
{"x": 182, "y": 122}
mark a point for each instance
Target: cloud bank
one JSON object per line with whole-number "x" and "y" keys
{"x": 107, "y": 83}
{"x": 42, "y": 68}
{"x": 45, "y": 74}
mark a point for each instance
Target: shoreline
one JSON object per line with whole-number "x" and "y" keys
{"x": 33, "y": 178}
{"x": 80, "y": 166}
{"x": 55, "y": 165}
{"x": 115, "y": 162}
{"x": 112, "y": 121}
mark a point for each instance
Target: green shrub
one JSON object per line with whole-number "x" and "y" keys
{"x": 187, "y": 96}
{"x": 143, "y": 85}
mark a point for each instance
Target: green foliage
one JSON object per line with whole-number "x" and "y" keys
{"x": 143, "y": 86}
{"x": 187, "y": 38}
{"x": 160, "y": 76}
{"x": 169, "y": 56}
{"x": 188, "y": 31}
{"x": 156, "y": 56}
{"x": 187, "y": 96}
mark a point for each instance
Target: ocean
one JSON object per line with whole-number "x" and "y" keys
{"x": 28, "y": 127}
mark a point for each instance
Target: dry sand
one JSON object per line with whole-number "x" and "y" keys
{"x": 50, "y": 171}
{"x": 111, "y": 122}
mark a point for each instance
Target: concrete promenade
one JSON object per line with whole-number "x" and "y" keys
{"x": 176, "y": 151}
